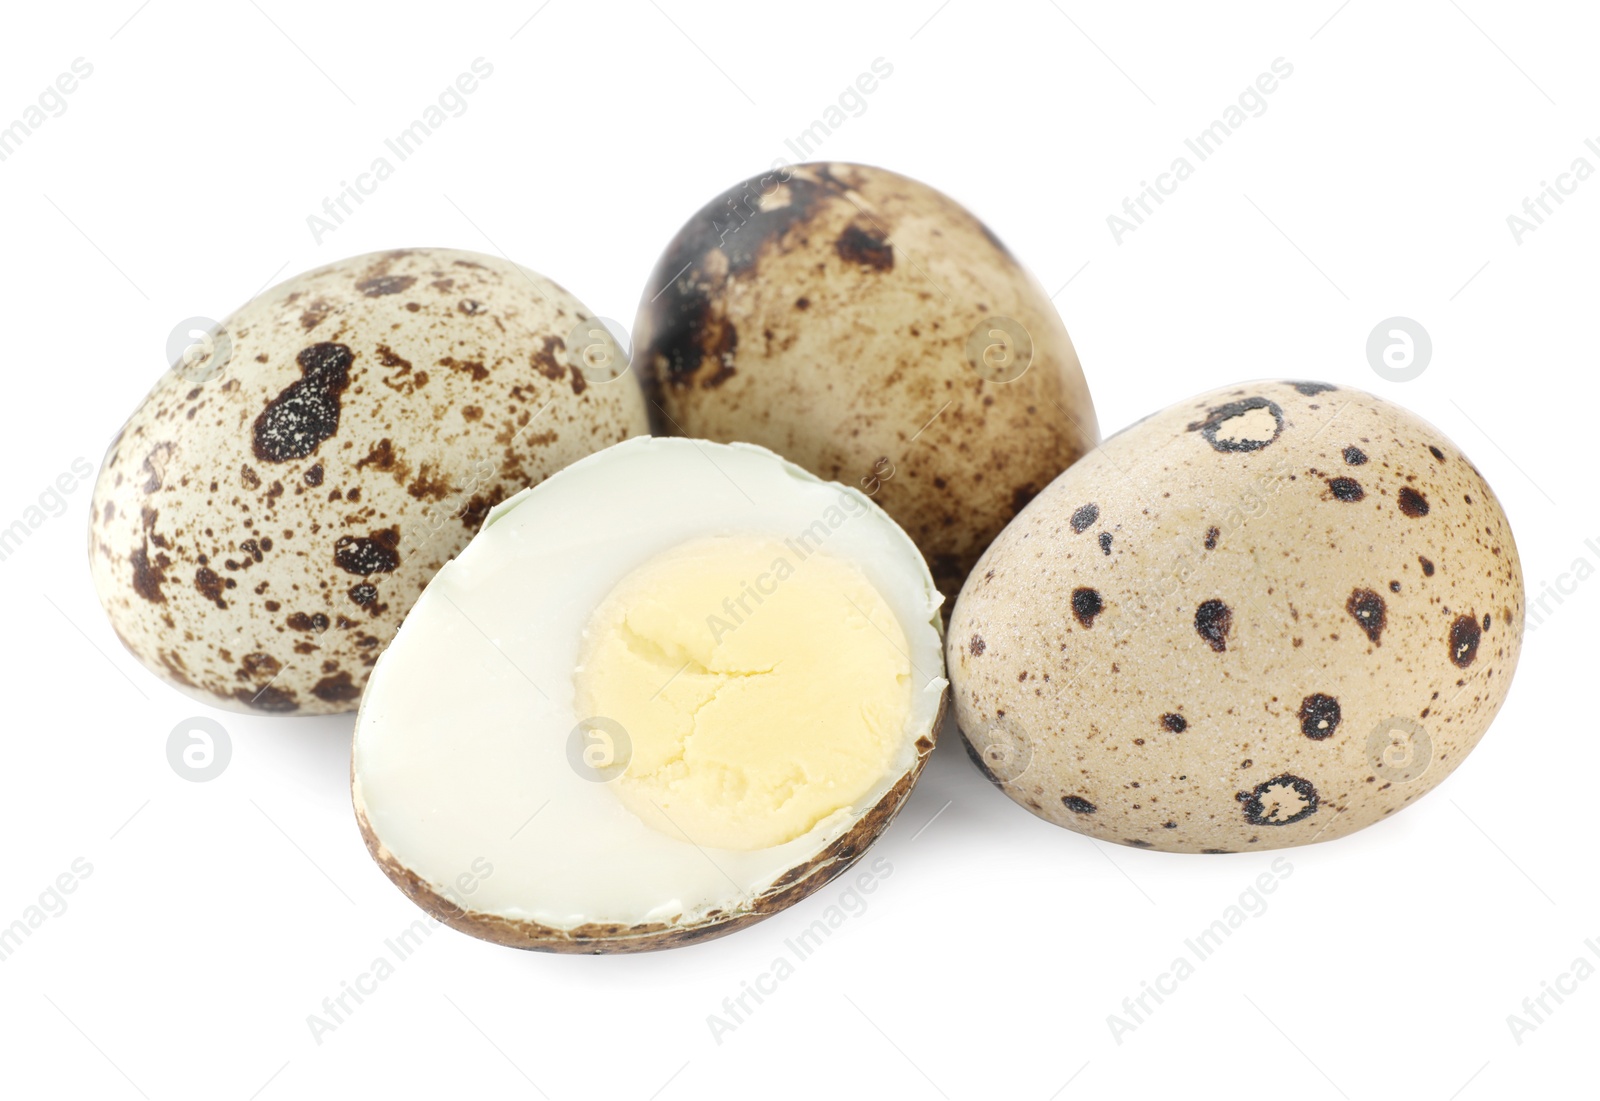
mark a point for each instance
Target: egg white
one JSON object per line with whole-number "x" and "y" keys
{"x": 461, "y": 745}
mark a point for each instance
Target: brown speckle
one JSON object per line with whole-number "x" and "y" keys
{"x": 1213, "y": 620}
{"x": 1281, "y": 801}
{"x": 336, "y": 688}
{"x": 149, "y": 574}
{"x": 866, "y": 247}
{"x": 1241, "y": 425}
{"x": 1077, "y": 804}
{"x": 306, "y": 412}
{"x": 1411, "y": 502}
{"x": 1368, "y": 609}
{"x": 365, "y": 555}
{"x": 1086, "y": 604}
{"x": 1175, "y": 722}
{"x": 1346, "y": 489}
{"x": 380, "y": 285}
{"x": 1319, "y": 716}
{"x": 1464, "y": 637}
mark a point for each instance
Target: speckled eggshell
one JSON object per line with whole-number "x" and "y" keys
{"x": 824, "y": 311}
{"x": 1269, "y": 615}
{"x": 257, "y": 537}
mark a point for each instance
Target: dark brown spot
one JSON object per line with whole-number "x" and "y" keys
{"x": 383, "y": 457}
{"x": 802, "y": 303}
{"x": 1084, "y": 517}
{"x": 336, "y": 688}
{"x": 1427, "y": 566}
{"x": 1211, "y": 538}
{"x": 364, "y": 593}
{"x": 370, "y": 554}
{"x": 1412, "y": 503}
{"x": 300, "y": 621}
{"x": 1105, "y": 542}
{"x": 313, "y": 476}
{"x": 1312, "y": 389}
{"x": 867, "y": 247}
{"x": 248, "y": 477}
{"x": 1086, "y": 604}
{"x": 294, "y": 424}
{"x": 479, "y": 372}
{"x": 149, "y": 575}
{"x": 1437, "y": 454}
{"x": 1319, "y": 716}
{"x": 271, "y": 698}
{"x": 977, "y": 645}
{"x": 1280, "y": 801}
{"x": 1464, "y": 636}
{"x": 429, "y": 486}
{"x": 209, "y": 582}
{"x": 380, "y": 285}
{"x": 1346, "y": 489}
{"x": 1237, "y": 426}
{"x": 1368, "y": 609}
{"x": 1175, "y": 722}
{"x": 1394, "y": 586}
{"x": 1077, "y": 804}
{"x": 1354, "y": 455}
{"x": 1213, "y": 620}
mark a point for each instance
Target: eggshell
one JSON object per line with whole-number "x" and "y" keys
{"x": 259, "y": 530}
{"x": 1269, "y": 615}
{"x": 872, "y": 330}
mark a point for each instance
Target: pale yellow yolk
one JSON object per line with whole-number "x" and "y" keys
{"x": 761, "y": 687}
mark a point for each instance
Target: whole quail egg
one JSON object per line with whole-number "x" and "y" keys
{"x": 874, "y": 331}
{"x": 267, "y": 516}
{"x": 1269, "y": 615}
{"x": 669, "y": 691}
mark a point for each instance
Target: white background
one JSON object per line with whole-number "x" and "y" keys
{"x": 219, "y": 915}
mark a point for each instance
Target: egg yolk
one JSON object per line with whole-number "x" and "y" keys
{"x": 762, "y": 685}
